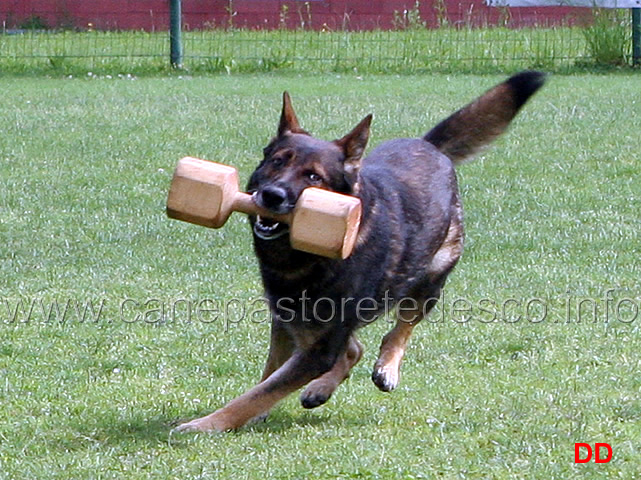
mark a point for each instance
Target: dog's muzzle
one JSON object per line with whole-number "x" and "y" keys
{"x": 273, "y": 198}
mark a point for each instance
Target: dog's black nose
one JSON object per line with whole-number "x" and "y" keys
{"x": 274, "y": 198}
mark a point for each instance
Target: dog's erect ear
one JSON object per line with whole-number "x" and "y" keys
{"x": 354, "y": 143}
{"x": 288, "y": 121}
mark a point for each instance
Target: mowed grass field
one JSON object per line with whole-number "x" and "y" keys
{"x": 116, "y": 322}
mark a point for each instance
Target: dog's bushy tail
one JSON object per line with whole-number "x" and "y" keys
{"x": 467, "y": 131}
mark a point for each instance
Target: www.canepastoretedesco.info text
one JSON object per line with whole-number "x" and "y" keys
{"x": 566, "y": 308}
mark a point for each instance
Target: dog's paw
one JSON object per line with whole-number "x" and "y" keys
{"x": 385, "y": 377}
{"x": 195, "y": 426}
{"x": 315, "y": 395}
{"x": 209, "y": 424}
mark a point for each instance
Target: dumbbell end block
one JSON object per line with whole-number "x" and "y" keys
{"x": 325, "y": 223}
{"x": 202, "y": 192}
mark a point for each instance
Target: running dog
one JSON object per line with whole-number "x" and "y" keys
{"x": 410, "y": 239}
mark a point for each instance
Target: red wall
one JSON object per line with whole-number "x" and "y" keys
{"x": 329, "y": 14}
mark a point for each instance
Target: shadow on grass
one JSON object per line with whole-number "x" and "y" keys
{"x": 116, "y": 430}
{"x": 280, "y": 421}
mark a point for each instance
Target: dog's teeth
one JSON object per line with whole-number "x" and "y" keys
{"x": 268, "y": 229}
{"x": 267, "y": 226}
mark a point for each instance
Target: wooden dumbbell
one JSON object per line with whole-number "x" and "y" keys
{"x": 206, "y": 193}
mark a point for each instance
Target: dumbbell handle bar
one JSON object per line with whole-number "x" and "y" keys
{"x": 244, "y": 203}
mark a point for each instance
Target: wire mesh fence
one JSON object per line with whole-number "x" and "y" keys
{"x": 447, "y": 49}
{"x": 387, "y": 51}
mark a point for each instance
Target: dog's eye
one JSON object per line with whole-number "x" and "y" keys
{"x": 313, "y": 177}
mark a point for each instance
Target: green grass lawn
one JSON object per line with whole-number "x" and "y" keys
{"x": 552, "y": 224}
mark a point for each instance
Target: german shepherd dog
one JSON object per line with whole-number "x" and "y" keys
{"x": 410, "y": 239}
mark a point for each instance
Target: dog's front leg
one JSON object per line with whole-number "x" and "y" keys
{"x": 301, "y": 368}
{"x": 321, "y": 388}
{"x": 281, "y": 347}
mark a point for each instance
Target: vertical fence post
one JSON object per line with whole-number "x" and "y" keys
{"x": 636, "y": 36}
{"x": 175, "y": 41}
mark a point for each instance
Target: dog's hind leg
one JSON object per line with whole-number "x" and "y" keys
{"x": 386, "y": 372}
{"x": 320, "y": 389}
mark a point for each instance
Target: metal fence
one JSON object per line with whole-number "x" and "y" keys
{"x": 410, "y": 50}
